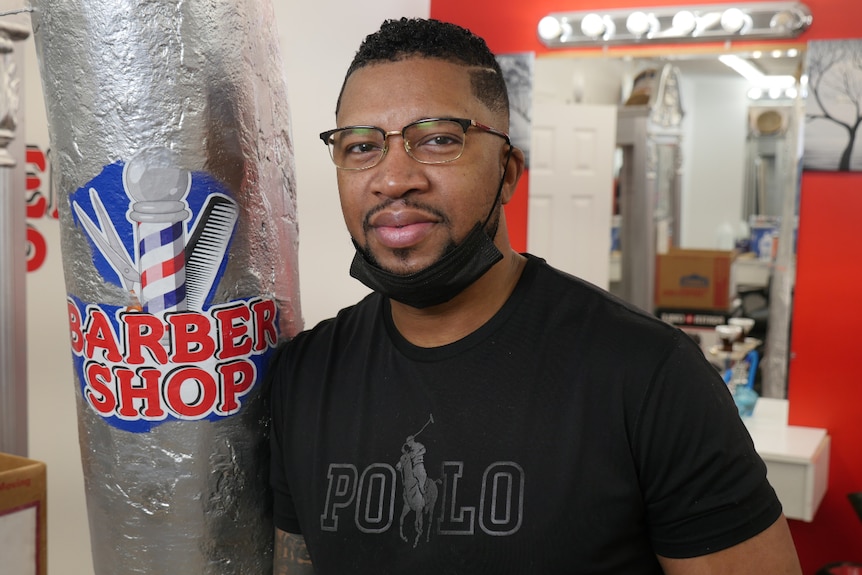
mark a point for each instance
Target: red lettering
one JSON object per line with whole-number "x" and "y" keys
{"x": 32, "y": 182}
{"x": 129, "y": 377}
{"x": 75, "y": 327}
{"x": 191, "y": 335}
{"x": 237, "y": 377}
{"x": 37, "y": 205}
{"x": 233, "y": 326}
{"x": 186, "y": 382}
{"x": 266, "y": 334}
{"x": 144, "y": 330}
{"x": 35, "y": 156}
{"x": 37, "y": 249}
{"x": 97, "y": 390}
{"x": 146, "y": 391}
{"x": 98, "y": 334}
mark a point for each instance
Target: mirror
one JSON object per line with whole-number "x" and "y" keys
{"x": 725, "y": 176}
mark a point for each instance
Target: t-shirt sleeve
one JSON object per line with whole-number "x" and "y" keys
{"x": 284, "y": 511}
{"x": 704, "y": 485}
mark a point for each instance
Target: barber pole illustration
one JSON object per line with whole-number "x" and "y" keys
{"x": 175, "y": 181}
{"x": 158, "y": 191}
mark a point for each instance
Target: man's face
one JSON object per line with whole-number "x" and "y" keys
{"x": 404, "y": 214}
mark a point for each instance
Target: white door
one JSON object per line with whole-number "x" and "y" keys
{"x": 571, "y": 188}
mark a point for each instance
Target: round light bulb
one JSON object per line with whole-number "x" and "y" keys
{"x": 791, "y": 93}
{"x": 550, "y": 28}
{"x": 638, "y": 23}
{"x": 685, "y": 22}
{"x": 755, "y": 93}
{"x": 784, "y": 20}
{"x": 775, "y": 92}
{"x": 733, "y": 20}
{"x": 593, "y": 25}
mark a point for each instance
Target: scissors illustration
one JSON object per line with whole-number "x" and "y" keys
{"x": 109, "y": 242}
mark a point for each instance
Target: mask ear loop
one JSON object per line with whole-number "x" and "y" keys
{"x": 499, "y": 192}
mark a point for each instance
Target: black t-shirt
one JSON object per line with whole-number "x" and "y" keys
{"x": 569, "y": 434}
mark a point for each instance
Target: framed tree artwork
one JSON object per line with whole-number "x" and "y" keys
{"x": 833, "y": 107}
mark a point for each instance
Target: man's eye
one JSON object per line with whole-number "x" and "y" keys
{"x": 444, "y": 140}
{"x": 361, "y": 147}
{"x": 440, "y": 140}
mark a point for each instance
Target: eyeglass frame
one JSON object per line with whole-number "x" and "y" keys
{"x": 465, "y": 124}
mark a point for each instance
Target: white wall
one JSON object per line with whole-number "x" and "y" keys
{"x": 318, "y": 40}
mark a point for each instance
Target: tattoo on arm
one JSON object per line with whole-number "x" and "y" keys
{"x": 291, "y": 555}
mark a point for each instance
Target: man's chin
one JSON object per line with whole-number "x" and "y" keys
{"x": 403, "y": 261}
{"x": 402, "y": 266}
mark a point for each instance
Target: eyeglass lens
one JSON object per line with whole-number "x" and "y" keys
{"x": 429, "y": 142}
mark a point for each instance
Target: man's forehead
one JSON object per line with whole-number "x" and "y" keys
{"x": 415, "y": 79}
{"x": 416, "y": 65}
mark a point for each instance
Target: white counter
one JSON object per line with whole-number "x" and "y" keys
{"x": 797, "y": 458}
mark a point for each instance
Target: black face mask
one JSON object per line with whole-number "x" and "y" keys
{"x": 439, "y": 282}
{"x": 445, "y": 278}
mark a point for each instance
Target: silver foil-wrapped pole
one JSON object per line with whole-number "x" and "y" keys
{"x": 169, "y": 129}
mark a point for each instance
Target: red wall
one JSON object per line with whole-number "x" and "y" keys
{"x": 825, "y": 382}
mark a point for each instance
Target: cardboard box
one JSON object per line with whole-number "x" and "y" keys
{"x": 23, "y": 516}
{"x": 694, "y": 279}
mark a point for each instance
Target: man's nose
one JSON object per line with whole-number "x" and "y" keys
{"x": 398, "y": 173}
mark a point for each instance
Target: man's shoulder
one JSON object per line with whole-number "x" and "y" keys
{"x": 576, "y": 306}
{"x": 560, "y": 288}
{"x": 544, "y": 277}
{"x": 349, "y": 322}
{"x": 337, "y": 341}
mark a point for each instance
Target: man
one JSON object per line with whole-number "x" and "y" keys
{"x": 572, "y": 433}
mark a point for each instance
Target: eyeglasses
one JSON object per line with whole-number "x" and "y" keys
{"x": 428, "y": 141}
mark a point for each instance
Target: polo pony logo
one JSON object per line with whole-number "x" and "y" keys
{"x": 420, "y": 492}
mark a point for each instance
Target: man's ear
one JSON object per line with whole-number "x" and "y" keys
{"x": 514, "y": 167}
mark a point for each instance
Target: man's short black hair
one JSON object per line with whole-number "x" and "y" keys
{"x": 428, "y": 38}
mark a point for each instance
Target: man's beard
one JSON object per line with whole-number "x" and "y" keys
{"x": 459, "y": 266}
{"x": 403, "y": 254}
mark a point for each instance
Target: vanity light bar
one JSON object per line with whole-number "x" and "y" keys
{"x": 713, "y": 22}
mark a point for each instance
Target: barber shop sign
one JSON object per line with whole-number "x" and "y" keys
{"x": 159, "y": 237}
